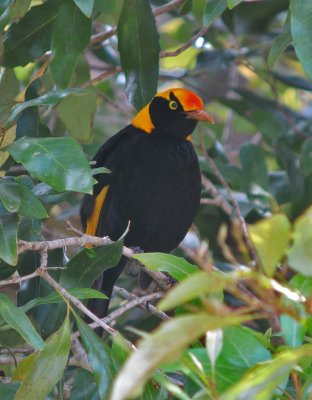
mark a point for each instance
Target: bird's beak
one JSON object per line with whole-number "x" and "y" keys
{"x": 200, "y": 115}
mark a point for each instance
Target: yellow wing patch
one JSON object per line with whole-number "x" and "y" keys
{"x": 93, "y": 220}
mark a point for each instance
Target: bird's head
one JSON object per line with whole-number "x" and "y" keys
{"x": 174, "y": 112}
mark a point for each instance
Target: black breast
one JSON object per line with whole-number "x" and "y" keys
{"x": 155, "y": 184}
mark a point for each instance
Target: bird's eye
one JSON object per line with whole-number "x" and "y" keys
{"x": 173, "y": 105}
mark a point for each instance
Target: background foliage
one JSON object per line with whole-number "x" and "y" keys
{"x": 242, "y": 327}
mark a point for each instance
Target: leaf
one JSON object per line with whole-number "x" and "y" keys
{"x": 253, "y": 162}
{"x": 159, "y": 348}
{"x": 270, "y": 238}
{"x": 59, "y": 162}
{"x": 71, "y": 36}
{"x": 98, "y": 356}
{"x": 213, "y": 10}
{"x": 48, "y": 99}
{"x": 84, "y": 387}
{"x": 261, "y": 382}
{"x": 233, "y": 3}
{"x": 30, "y": 38}
{"x": 49, "y": 366}
{"x": 300, "y": 253}
{"x": 280, "y": 42}
{"x": 19, "y": 8}
{"x": 8, "y": 390}
{"x": 9, "y": 87}
{"x": 77, "y": 113}
{"x": 196, "y": 285}
{"x": 86, "y": 6}
{"x": 19, "y": 321}
{"x": 292, "y": 330}
{"x": 186, "y": 7}
{"x": 86, "y": 266}
{"x": 301, "y": 30}
{"x": 138, "y": 44}
{"x": 177, "y": 267}
{"x": 31, "y": 206}
{"x": 79, "y": 293}
{"x": 10, "y": 194}
{"x": 8, "y": 238}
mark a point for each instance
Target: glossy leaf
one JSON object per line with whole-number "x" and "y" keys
{"x": 263, "y": 380}
{"x": 159, "y": 348}
{"x": 86, "y": 6}
{"x": 280, "y": 42}
{"x": 59, "y": 162}
{"x": 177, "y": 267}
{"x": 86, "y": 266}
{"x": 10, "y": 194}
{"x": 48, "y": 99}
{"x": 98, "y": 356}
{"x": 195, "y": 286}
{"x": 31, "y": 206}
{"x": 19, "y": 321}
{"x": 8, "y": 238}
{"x": 300, "y": 253}
{"x": 138, "y": 44}
{"x": 31, "y": 37}
{"x": 301, "y": 30}
{"x": 270, "y": 238}
{"x": 213, "y": 10}
{"x": 49, "y": 366}
{"x": 71, "y": 34}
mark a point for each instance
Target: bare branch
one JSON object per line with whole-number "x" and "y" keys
{"x": 19, "y": 279}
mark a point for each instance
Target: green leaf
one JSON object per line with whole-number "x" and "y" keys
{"x": 49, "y": 366}
{"x": 31, "y": 206}
{"x": 262, "y": 381}
{"x": 86, "y": 266}
{"x": 186, "y": 7}
{"x": 48, "y": 99}
{"x": 197, "y": 285}
{"x": 292, "y": 330}
{"x": 9, "y": 86}
{"x": 159, "y": 348}
{"x": 19, "y": 8}
{"x": 270, "y": 238}
{"x": 79, "y": 293}
{"x": 280, "y": 42}
{"x": 138, "y": 44}
{"x": 71, "y": 36}
{"x": 19, "y": 321}
{"x": 233, "y": 3}
{"x": 8, "y": 390}
{"x": 253, "y": 162}
{"x": 213, "y": 10}
{"x": 84, "y": 386}
{"x": 30, "y": 38}
{"x": 86, "y": 6}
{"x": 8, "y": 238}
{"x": 300, "y": 253}
{"x": 301, "y": 30}
{"x": 10, "y": 194}
{"x": 177, "y": 267}
{"x": 77, "y": 113}
{"x": 59, "y": 162}
{"x": 98, "y": 356}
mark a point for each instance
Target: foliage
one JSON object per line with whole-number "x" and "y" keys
{"x": 242, "y": 325}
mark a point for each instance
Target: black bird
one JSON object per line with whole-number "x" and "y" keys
{"x": 154, "y": 183}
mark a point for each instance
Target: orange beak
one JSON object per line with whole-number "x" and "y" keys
{"x": 200, "y": 115}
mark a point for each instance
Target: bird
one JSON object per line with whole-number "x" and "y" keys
{"x": 154, "y": 184}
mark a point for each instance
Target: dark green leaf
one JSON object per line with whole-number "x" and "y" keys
{"x": 280, "y": 42}
{"x": 213, "y": 10}
{"x": 54, "y": 297}
{"x": 19, "y": 8}
{"x": 86, "y": 6}
{"x": 177, "y": 267}
{"x": 301, "y": 30}
{"x": 8, "y": 238}
{"x": 19, "y": 321}
{"x": 31, "y": 206}
{"x": 253, "y": 162}
{"x": 98, "y": 356}
{"x": 48, "y": 367}
{"x": 9, "y": 87}
{"x": 86, "y": 266}
{"x": 30, "y": 38}
{"x": 138, "y": 44}
{"x": 10, "y": 194}
{"x": 294, "y": 81}
{"x": 186, "y": 7}
{"x": 8, "y": 390}
{"x": 71, "y": 36}
{"x": 84, "y": 386}
{"x": 48, "y": 99}
{"x": 59, "y": 162}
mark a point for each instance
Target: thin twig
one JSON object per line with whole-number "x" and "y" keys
{"x": 19, "y": 279}
{"x": 101, "y": 77}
